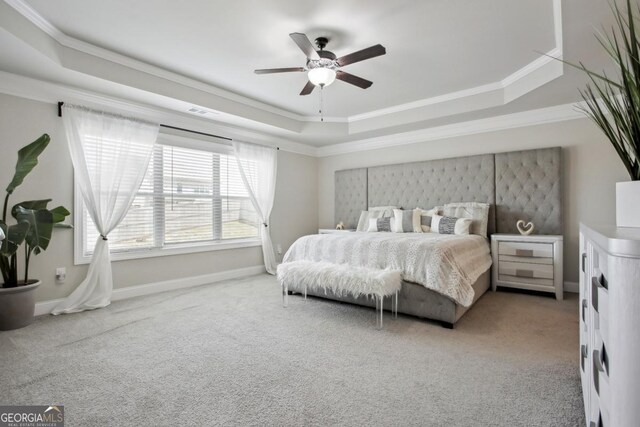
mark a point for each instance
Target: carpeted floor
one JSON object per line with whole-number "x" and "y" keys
{"x": 229, "y": 354}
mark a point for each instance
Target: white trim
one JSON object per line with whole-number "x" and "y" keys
{"x": 554, "y": 114}
{"x": 49, "y": 92}
{"x": 38, "y": 90}
{"x": 527, "y": 78}
{"x": 573, "y": 287}
{"x": 45, "y": 307}
{"x": 76, "y": 44}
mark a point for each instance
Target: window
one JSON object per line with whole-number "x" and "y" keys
{"x": 192, "y": 199}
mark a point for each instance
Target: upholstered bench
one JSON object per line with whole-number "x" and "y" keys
{"x": 342, "y": 279}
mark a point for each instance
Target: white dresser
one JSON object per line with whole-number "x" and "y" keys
{"x": 610, "y": 325}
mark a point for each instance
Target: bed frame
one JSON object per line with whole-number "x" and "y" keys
{"x": 519, "y": 185}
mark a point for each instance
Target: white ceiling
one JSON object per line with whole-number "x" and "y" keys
{"x": 203, "y": 52}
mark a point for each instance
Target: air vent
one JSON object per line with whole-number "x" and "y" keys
{"x": 201, "y": 111}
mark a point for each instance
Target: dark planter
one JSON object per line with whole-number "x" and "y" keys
{"x": 17, "y": 306}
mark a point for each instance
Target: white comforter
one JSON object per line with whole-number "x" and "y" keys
{"x": 446, "y": 264}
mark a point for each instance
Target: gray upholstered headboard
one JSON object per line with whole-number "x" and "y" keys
{"x": 518, "y": 185}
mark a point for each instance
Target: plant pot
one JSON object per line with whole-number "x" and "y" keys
{"x": 628, "y": 204}
{"x": 17, "y": 306}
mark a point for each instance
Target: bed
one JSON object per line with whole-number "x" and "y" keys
{"x": 443, "y": 275}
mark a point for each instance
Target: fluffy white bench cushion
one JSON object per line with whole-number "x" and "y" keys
{"x": 339, "y": 278}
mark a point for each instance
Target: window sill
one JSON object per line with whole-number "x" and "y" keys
{"x": 178, "y": 250}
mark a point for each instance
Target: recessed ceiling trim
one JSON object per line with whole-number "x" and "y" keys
{"x": 48, "y": 92}
{"x": 73, "y": 43}
{"x": 38, "y": 90}
{"x": 527, "y": 78}
{"x": 559, "y": 113}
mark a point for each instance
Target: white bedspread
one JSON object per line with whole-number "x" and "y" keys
{"x": 446, "y": 264}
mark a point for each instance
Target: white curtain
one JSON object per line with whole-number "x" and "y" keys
{"x": 258, "y": 165}
{"x": 110, "y": 155}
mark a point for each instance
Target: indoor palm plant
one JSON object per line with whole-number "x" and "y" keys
{"x": 31, "y": 227}
{"x": 614, "y": 105}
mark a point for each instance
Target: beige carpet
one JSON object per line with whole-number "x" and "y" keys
{"x": 229, "y": 354}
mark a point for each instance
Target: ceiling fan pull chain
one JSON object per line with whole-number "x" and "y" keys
{"x": 321, "y": 103}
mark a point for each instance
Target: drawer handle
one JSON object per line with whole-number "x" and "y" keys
{"x": 597, "y": 368}
{"x": 595, "y": 285}
{"x": 584, "y": 262}
{"x": 524, "y": 252}
{"x": 524, "y": 273}
{"x": 584, "y": 310}
{"x": 583, "y": 355}
{"x": 598, "y": 362}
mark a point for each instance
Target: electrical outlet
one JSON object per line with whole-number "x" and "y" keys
{"x": 61, "y": 274}
{"x": 279, "y": 249}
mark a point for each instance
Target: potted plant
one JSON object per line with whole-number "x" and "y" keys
{"x": 32, "y": 227}
{"x": 614, "y": 105}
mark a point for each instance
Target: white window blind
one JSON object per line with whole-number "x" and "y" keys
{"x": 189, "y": 198}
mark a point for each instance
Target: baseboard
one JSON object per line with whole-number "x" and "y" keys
{"x": 45, "y": 307}
{"x": 572, "y": 287}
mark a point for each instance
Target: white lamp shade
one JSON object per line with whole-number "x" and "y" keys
{"x": 322, "y": 76}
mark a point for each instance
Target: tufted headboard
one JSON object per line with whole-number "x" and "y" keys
{"x": 518, "y": 185}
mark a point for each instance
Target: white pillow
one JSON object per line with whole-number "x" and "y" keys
{"x": 387, "y": 211}
{"x": 365, "y": 216}
{"x": 407, "y": 221}
{"x": 425, "y": 218}
{"x": 478, "y": 212}
{"x": 450, "y": 225}
{"x": 380, "y": 224}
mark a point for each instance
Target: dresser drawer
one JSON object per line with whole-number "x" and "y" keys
{"x": 526, "y": 270}
{"x": 527, "y": 250}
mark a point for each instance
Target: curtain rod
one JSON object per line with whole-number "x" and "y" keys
{"x": 60, "y": 104}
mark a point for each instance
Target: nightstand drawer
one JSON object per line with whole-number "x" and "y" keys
{"x": 526, "y": 270}
{"x": 526, "y": 282}
{"x": 537, "y": 250}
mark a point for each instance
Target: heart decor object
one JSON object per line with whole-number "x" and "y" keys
{"x": 525, "y": 229}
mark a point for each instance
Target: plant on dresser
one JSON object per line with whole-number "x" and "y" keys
{"x": 609, "y": 325}
{"x": 614, "y": 105}
{"x": 532, "y": 262}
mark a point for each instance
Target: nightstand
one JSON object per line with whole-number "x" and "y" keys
{"x": 334, "y": 231}
{"x": 527, "y": 262}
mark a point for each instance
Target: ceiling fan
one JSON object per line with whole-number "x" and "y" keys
{"x": 323, "y": 67}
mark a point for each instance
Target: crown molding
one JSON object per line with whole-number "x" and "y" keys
{"x": 541, "y": 116}
{"x": 522, "y": 81}
{"x": 49, "y": 92}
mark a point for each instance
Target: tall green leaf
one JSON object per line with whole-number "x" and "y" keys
{"x": 40, "y": 227}
{"x": 27, "y": 160}
{"x": 15, "y": 235}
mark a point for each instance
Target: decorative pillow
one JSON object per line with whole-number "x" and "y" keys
{"x": 425, "y": 218}
{"x": 450, "y": 225}
{"x": 365, "y": 216}
{"x": 407, "y": 221}
{"x": 478, "y": 212}
{"x": 387, "y": 211}
{"x": 380, "y": 224}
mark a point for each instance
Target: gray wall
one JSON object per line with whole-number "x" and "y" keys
{"x": 21, "y": 121}
{"x": 590, "y": 166}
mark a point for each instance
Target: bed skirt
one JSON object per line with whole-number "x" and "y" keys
{"x": 415, "y": 300}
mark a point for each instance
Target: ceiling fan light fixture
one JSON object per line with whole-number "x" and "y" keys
{"x": 322, "y": 76}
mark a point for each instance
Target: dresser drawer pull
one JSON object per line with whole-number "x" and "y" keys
{"x": 524, "y": 273}
{"x": 584, "y": 310}
{"x": 583, "y": 355}
{"x": 584, "y": 262}
{"x": 524, "y": 252}
{"x": 594, "y": 292}
{"x": 597, "y": 368}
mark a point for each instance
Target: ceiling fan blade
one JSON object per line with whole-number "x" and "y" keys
{"x": 354, "y": 80}
{"x": 305, "y": 45}
{"x": 307, "y": 89}
{"x": 361, "y": 55}
{"x": 279, "y": 70}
